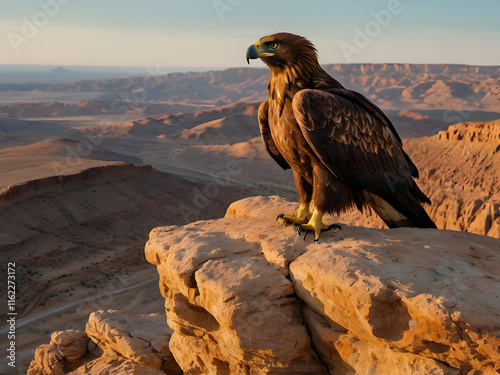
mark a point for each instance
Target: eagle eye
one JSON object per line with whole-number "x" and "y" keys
{"x": 273, "y": 45}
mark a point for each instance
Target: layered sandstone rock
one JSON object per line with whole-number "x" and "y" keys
{"x": 246, "y": 295}
{"x": 231, "y": 310}
{"x": 460, "y": 171}
{"x": 113, "y": 343}
{"x": 142, "y": 339}
{"x": 67, "y": 351}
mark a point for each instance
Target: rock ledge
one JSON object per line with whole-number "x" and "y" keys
{"x": 245, "y": 295}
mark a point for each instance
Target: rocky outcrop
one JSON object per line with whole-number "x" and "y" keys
{"x": 141, "y": 339}
{"x": 244, "y": 295}
{"x": 113, "y": 343}
{"x": 483, "y": 132}
{"x": 67, "y": 351}
{"x": 460, "y": 171}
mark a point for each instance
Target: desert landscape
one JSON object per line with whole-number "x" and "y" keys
{"x": 89, "y": 168}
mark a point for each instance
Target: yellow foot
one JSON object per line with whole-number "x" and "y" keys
{"x": 288, "y": 219}
{"x": 315, "y": 225}
{"x": 303, "y": 216}
{"x": 309, "y": 228}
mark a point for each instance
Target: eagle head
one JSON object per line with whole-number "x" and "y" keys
{"x": 282, "y": 50}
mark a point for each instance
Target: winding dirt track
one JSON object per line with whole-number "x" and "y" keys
{"x": 23, "y": 322}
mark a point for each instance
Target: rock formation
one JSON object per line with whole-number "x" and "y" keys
{"x": 460, "y": 170}
{"x": 113, "y": 343}
{"x": 67, "y": 351}
{"x": 245, "y": 295}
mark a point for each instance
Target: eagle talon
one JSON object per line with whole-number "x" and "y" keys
{"x": 299, "y": 230}
{"x": 316, "y": 226}
{"x": 333, "y": 226}
{"x": 282, "y": 216}
{"x": 288, "y": 219}
{"x": 316, "y": 239}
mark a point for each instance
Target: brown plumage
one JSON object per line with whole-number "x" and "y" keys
{"x": 343, "y": 150}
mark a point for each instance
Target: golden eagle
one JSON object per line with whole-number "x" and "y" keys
{"x": 342, "y": 148}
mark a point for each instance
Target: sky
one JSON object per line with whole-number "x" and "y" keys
{"x": 216, "y": 33}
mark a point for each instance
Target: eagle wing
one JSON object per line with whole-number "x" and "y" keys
{"x": 267, "y": 138}
{"x": 356, "y": 97}
{"x": 361, "y": 148}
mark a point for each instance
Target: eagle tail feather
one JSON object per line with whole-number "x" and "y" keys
{"x": 420, "y": 195}
{"x": 394, "y": 218}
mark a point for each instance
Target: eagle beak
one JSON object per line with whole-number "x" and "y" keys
{"x": 254, "y": 52}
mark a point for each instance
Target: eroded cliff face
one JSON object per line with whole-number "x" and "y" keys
{"x": 460, "y": 172}
{"x": 245, "y": 295}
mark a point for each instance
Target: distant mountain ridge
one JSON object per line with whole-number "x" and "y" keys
{"x": 392, "y": 86}
{"x": 60, "y": 70}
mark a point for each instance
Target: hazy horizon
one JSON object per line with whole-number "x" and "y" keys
{"x": 216, "y": 33}
{"x": 61, "y": 74}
